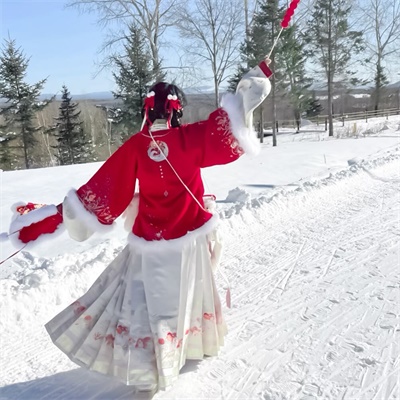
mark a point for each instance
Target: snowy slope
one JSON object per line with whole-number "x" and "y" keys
{"x": 313, "y": 258}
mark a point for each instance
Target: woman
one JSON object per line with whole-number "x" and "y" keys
{"x": 156, "y": 305}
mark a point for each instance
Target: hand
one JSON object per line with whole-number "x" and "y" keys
{"x": 267, "y": 60}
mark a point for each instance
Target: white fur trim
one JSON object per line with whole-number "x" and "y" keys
{"x": 84, "y": 216}
{"x": 251, "y": 91}
{"x": 246, "y": 136}
{"x": 22, "y": 221}
{"x": 173, "y": 244}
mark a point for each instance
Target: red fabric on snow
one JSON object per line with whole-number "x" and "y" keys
{"x": 33, "y": 231}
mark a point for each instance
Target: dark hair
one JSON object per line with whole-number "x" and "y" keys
{"x": 162, "y": 90}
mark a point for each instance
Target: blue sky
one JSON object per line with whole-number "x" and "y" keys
{"x": 62, "y": 44}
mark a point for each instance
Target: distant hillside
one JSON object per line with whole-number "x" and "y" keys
{"x": 394, "y": 85}
{"x": 109, "y": 95}
{"x": 86, "y": 96}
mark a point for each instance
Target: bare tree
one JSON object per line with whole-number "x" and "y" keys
{"x": 382, "y": 19}
{"x": 213, "y": 30}
{"x": 153, "y": 17}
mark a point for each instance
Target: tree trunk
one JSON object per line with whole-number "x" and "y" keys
{"x": 298, "y": 120}
{"x": 261, "y": 124}
{"x": 25, "y": 144}
{"x": 216, "y": 89}
{"x": 330, "y": 72}
{"x": 273, "y": 86}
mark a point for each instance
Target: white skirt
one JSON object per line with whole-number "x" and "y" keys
{"x": 145, "y": 315}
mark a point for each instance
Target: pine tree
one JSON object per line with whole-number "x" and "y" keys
{"x": 133, "y": 76}
{"x": 7, "y": 158}
{"x": 333, "y": 44}
{"x": 314, "y": 108}
{"x": 292, "y": 59}
{"x": 381, "y": 81}
{"x": 73, "y": 146}
{"x": 21, "y": 102}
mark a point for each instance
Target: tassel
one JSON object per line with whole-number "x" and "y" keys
{"x": 228, "y": 298}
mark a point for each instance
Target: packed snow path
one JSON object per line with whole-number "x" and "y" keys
{"x": 316, "y": 312}
{"x": 315, "y": 289}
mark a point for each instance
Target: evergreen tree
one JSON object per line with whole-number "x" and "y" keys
{"x": 133, "y": 76}
{"x": 332, "y": 44}
{"x": 235, "y": 78}
{"x": 73, "y": 145}
{"x": 293, "y": 58}
{"x": 288, "y": 59}
{"x": 21, "y": 101}
{"x": 7, "y": 158}
{"x": 380, "y": 80}
{"x": 314, "y": 108}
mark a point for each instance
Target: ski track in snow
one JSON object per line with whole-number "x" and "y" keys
{"x": 315, "y": 290}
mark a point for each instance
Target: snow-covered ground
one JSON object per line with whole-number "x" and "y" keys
{"x": 311, "y": 231}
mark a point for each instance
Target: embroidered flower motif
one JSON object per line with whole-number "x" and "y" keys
{"x": 171, "y": 336}
{"x": 88, "y": 321}
{"x": 195, "y": 330}
{"x": 28, "y": 208}
{"x": 161, "y": 341}
{"x": 208, "y": 317}
{"x": 153, "y": 151}
{"x": 110, "y": 340}
{"x": 78, "y": 308}
{"x": 223, "y": 126}
{"x": 122, "y": 330}
{"x": 142, "y": 342}
{"x": 179, "y": 343}
{"x": 96, "y": 205}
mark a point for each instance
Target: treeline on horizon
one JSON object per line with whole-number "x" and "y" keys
{"x": 326, "y": 41}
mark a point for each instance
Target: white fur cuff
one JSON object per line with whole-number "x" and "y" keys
{"x": 246, "y": 136}
{"x": 77, "y": 211}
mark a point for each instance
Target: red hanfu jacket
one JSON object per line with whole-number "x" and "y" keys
{"x": 166, "y": 209}
{"x": 170, "y": 203}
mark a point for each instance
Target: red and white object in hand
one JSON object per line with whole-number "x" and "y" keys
{"x": 30, "y": 221}
{"x": 251, "y": 91}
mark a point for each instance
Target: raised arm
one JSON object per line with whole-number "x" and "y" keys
{"x": 228, "y": 133}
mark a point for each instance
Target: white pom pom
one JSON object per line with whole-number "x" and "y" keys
{"x": 150, "y": 94}
{"x": 3, "y": 237}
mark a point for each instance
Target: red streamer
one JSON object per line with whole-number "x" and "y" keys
{"x": 289, "y": 13}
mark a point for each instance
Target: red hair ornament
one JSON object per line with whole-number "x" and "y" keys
{"x": 172, "y": 103}
{"x": 148, "y": 105}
